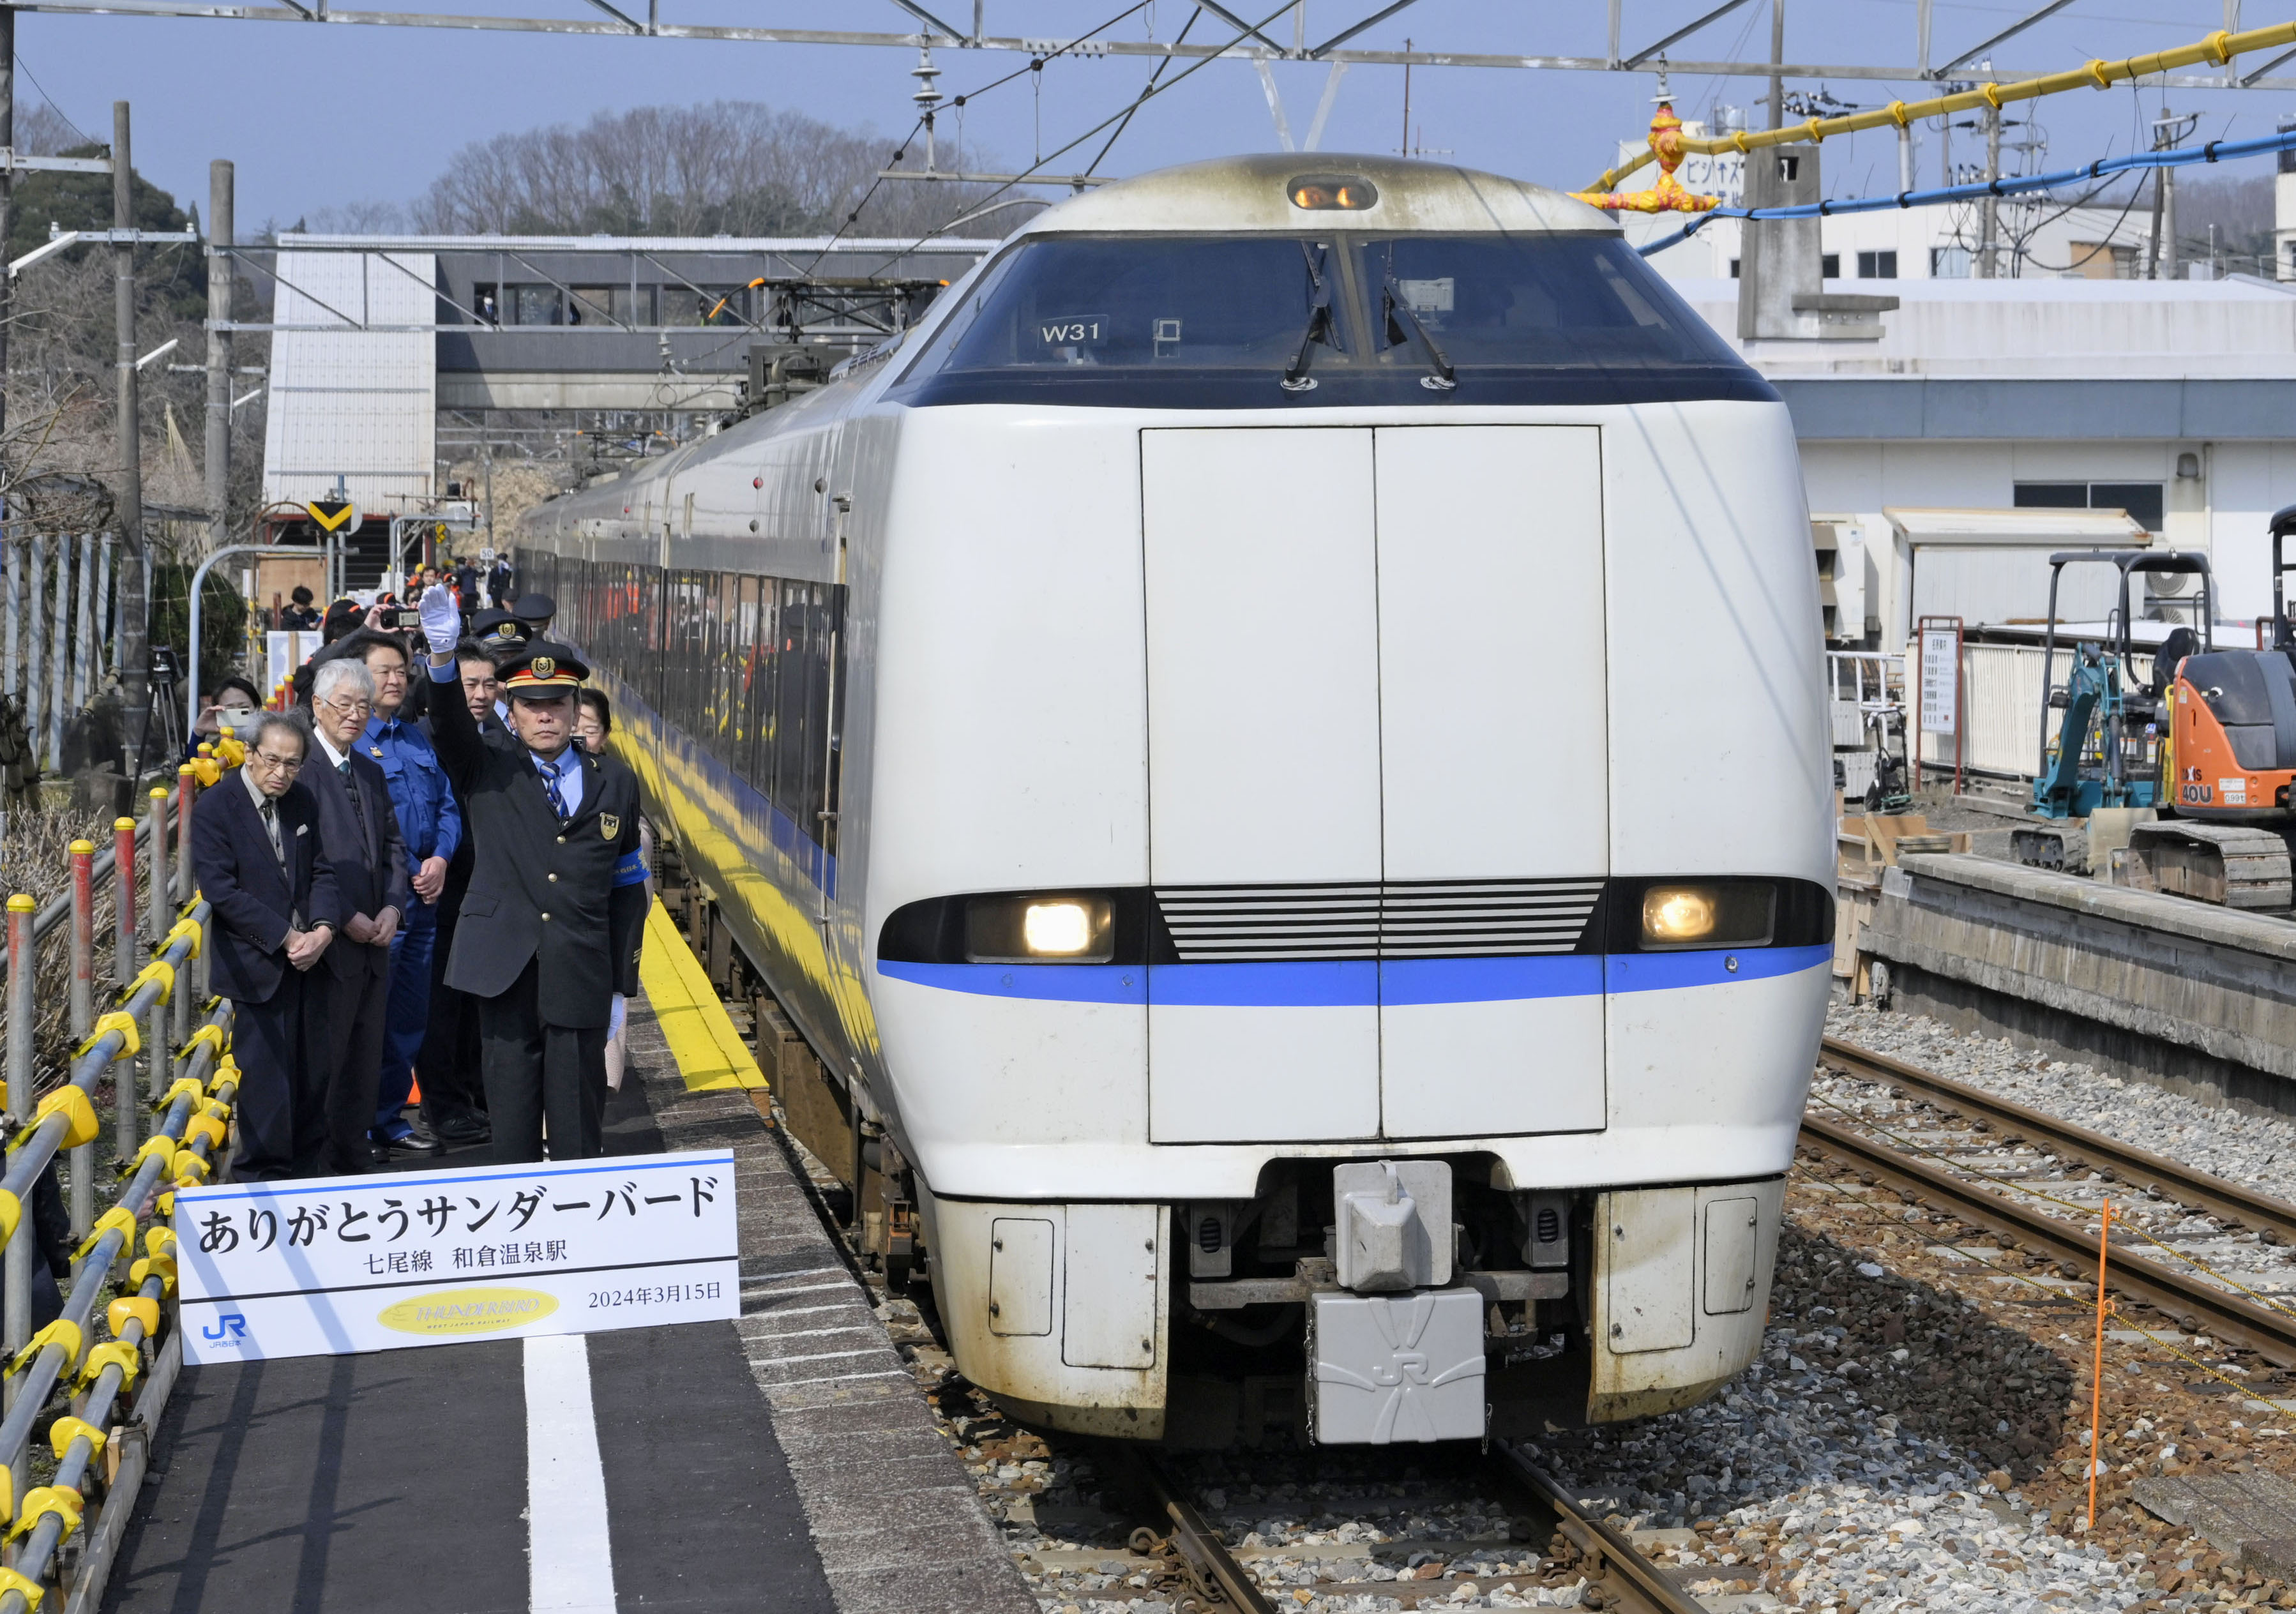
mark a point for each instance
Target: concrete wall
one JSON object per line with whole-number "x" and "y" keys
{"x": 2197, "y": 998}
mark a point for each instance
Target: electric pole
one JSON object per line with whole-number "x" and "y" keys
{"x": 135, "y": 604}
{"x": 8, "y": 191}
{"x": 1777, "y": 55}
{"x": 1989, "y": 211}
{"x": 221, "y": 271}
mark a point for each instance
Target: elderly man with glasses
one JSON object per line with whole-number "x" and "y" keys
{"x": 255, "y": 853}
{"x": 359, "y": 836}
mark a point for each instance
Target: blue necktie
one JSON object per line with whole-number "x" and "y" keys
{"x": 550, "y": 782}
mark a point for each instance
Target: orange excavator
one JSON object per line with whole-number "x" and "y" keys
{"x": 2227, "y": 766}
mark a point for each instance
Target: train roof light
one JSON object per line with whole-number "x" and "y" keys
{"x": 1333, "y": 192}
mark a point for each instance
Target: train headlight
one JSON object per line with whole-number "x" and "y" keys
{"x": 1333, "y": 193}
{"x": 1039, "y": 929}
{"x": 1720, "y": 913}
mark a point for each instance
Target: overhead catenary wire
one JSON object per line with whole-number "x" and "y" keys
{"x": 1137, "y": 102}
{"x": 2216, "y": 151}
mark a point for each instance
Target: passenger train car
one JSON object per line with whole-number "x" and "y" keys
{"x": 1275, "y": 746}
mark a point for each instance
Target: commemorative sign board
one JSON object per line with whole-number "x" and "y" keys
{"x": 337, "y": 1265}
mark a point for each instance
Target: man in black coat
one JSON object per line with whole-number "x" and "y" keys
{"x": 256, "y": 854}
{"x": 549, "y": 932}
{"x": 359, "y": 834}
{"x": 454, "y": 1098}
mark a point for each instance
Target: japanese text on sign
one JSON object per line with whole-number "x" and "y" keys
{"x": 1940, "y": 680}
{"x": 330, "y": 1265}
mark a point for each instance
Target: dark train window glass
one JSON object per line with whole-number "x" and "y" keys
{"x": 1565, "y": 301}
{"x": 1190, "y": 321}
{"x": 1081, "y": 304}
{"x": 767, "y": 667}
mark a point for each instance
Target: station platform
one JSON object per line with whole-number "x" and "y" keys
{"x": 787, "y": 1460}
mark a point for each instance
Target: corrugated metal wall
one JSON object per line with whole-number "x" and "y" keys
{"x": 361, "y": 403}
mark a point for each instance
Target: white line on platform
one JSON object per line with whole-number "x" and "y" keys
{"x": 834, "y": 1379}
{"x": 572, "y": 1557}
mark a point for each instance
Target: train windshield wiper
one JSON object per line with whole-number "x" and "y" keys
{"x": 1392, "y": 303}
{"x": 1321, "y": 328}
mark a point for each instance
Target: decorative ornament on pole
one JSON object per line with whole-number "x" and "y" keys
{"x": 1669, "y": 195}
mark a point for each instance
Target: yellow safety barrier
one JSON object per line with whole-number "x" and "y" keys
{"x": 206, "y": 1127}
{"x": 116, "y": 1316}
{"x": 208, "y": 1033}
{"x": 64, "y": 1431}
{"x": 30, "y": 1591}
{"x": 162, "y": 1267}
{"x": 161, "y": 1146}
{"x": 80, "y": 1124}
{"x": 112, "y": 1353}
{"x": 188, "y": 931}
{"x": 12, "y": 1211}
{"x": 159, "y": 970}
{"x": 63, "y": 1332}
{"x": 184, "y": 1087}
{"x": 60, "y": 1500}
{"x": 119, "y": 1217}
{"x": 2218, "y": 48}
{"x": 159, "y": 1241}
{"x": 116, "y": 1020}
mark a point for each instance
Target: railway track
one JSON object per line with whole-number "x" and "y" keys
{"x": 2194, "y": 1301}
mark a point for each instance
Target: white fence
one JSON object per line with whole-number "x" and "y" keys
{"x": 2001, "y": 708}
{"x": 57, "y": 613}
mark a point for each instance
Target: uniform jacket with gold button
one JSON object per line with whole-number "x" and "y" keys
{"x": 571, "y": 894}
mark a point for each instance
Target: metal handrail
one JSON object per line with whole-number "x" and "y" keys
{"x": 59, "y": 907}
{"x": 41, "y": 1378}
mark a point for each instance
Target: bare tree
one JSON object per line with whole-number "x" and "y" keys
{"x": 734, "y": 168}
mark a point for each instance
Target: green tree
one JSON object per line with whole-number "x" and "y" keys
{"x": 223, "y": 618}
{"x": 176, "y": 276}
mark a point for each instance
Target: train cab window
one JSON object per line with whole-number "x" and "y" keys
{"x": 1502, "y": 302}
{"x": 1273, "y": 321}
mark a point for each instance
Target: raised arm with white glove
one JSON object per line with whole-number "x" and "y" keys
{"x": 442, "y": 624}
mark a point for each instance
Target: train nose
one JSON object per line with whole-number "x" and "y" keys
{"x": 1377, "y": 841}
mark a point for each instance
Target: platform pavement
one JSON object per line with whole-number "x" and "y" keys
{"x": 784, "y": 1461}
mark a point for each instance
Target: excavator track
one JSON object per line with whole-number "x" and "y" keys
{"x": 2231, "y": 865}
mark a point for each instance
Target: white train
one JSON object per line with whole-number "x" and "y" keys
{"x": 1275, "y": 745}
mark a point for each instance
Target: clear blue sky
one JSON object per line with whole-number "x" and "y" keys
{"x": 320, "y": 115}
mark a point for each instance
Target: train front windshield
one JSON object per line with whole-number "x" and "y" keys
{"x": 1241, "y": 321}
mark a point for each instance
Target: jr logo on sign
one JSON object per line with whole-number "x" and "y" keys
{"x": 229, "y": 1326}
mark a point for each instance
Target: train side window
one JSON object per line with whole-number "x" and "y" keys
{"x": 765, "y": 666}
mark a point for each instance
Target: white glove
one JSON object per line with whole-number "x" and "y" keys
{"x": 615, "y": 1021}
{"x": 442, "y": 624}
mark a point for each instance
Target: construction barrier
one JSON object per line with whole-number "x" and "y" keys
{"x": 124, "y": 1271}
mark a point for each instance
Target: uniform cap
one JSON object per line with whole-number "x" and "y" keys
{"x": 543, "y": 670}
{"x": 498, "y": 630}
{"x": 534, "y": 609}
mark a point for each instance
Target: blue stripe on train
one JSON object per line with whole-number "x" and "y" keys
{"x": 1362, "y": 984}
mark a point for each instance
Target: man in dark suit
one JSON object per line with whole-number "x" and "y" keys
{"x": 454, "y": 1098}
{"x": 256, "y": 855}
{"x": 548, "y": 936}
{"x": 360, "y": 835}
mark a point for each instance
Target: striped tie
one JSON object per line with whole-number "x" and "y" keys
{"x": 550, "y": 782}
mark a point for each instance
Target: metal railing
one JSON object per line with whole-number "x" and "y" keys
{"x": 194, "y": 1088}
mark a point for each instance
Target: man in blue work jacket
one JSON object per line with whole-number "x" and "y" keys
{"x": 432, "y": 824}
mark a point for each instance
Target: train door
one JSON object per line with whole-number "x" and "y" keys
{"x": 1495, "y": 818}
{"x": 1263, "y": 782}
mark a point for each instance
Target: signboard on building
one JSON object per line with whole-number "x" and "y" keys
{"x": 1940, "y": 680}
{"x": 340, "y": 1265}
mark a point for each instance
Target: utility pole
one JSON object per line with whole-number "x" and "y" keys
{"x": 8, "y": 191}
{"x": 1777, "y": 55}
{"x": 221, "y": 271}
{"x": 135, "y": 626}
{"x": 1989, "y": 211}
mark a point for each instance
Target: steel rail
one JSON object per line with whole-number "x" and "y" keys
{"x": 2194, "y": 1303}
{"x": 1198, "y": 1546}
{"x": 1630, "y": 1581}
{"x": 2138, "y": 1167}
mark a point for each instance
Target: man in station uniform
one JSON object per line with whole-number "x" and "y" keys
{"x": 255, "y": 853}
{"x": 547, "y": 939}
{"x": 535, "y": 612}
{"x": 454, "y": 1099}
{"x": 359, "y": 836}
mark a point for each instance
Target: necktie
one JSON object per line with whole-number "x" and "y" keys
{"x": 351, "y": 789}
{"x": 279, "y": 850}
{"x": 550, "y": 782}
